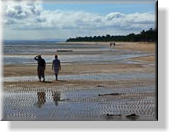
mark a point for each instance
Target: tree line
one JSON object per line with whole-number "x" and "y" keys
{"x": 145, "y": 36}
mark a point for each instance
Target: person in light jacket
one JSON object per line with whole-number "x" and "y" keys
{"x": 56, "y": 66}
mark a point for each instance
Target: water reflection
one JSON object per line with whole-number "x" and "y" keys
{"x": 41, "y": 99}
{"x": 81, "y": 104}
{"x": 56, "y": 97}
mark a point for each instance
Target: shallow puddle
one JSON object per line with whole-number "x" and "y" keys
{"x": 80, "y": 104}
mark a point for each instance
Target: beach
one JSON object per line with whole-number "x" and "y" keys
{"x": 96, "y": 82}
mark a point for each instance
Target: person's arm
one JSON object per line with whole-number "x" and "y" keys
{"x": 52, "y": 65}
{"x": 36, "y": 58}
{"x": 60, "y": 67}
{"x": 44, "y": 64}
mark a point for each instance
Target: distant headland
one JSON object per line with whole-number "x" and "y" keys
{"x": 145, "y": 36}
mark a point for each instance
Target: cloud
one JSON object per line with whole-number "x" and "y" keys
{"x": 31, "y": 16}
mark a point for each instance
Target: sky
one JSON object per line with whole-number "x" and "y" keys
{"x": 103, "y": 9}
{"x": 47, "y": 21}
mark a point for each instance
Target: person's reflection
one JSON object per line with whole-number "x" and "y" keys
{"x": 56, "y": 97}
{"x": 41, "y": 99}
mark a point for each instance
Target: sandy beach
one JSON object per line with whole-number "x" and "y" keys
{"x": 96, "y": 82}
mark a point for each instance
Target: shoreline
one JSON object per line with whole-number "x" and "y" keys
{"x": 108, "y": 42}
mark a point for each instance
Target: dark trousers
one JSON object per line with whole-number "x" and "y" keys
{"x": 41, "y": 72}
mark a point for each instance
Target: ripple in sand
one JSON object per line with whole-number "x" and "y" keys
{"x": 79, "y": 104}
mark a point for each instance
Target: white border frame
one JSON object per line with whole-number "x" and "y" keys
{"x": 110, "y": 125}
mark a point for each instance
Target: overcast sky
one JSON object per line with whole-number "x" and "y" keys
{"x": 37, "y": 20}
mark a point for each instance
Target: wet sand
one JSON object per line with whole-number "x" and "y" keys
{"x": 78, "y": 99}
{"x": 137, "y": 46}
{"x": 80, "y": 84}
{"x": 134, "y": 46}
{"x": 28, "y": 70}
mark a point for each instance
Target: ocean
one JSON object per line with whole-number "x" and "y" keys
{"x": 23, "y": 52}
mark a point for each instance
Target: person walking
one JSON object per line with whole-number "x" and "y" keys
{"x": 41, "y": 67}
{"x": 56, "y": 66}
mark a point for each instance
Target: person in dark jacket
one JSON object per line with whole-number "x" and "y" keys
{"x": 41, "y": 67}
{"x": 56, "y": 66}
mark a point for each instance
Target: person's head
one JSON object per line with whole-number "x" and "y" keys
{"x": 56, "y": 56}
{"x": 39, "y": 56}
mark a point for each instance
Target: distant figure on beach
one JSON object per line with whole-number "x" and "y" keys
{"x": 112, "y": 44}
{"x": 56, "y": 66}
{"x": 41, "y": 67}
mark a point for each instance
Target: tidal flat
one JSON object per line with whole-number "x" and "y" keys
{"x": 96, "y": 82}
